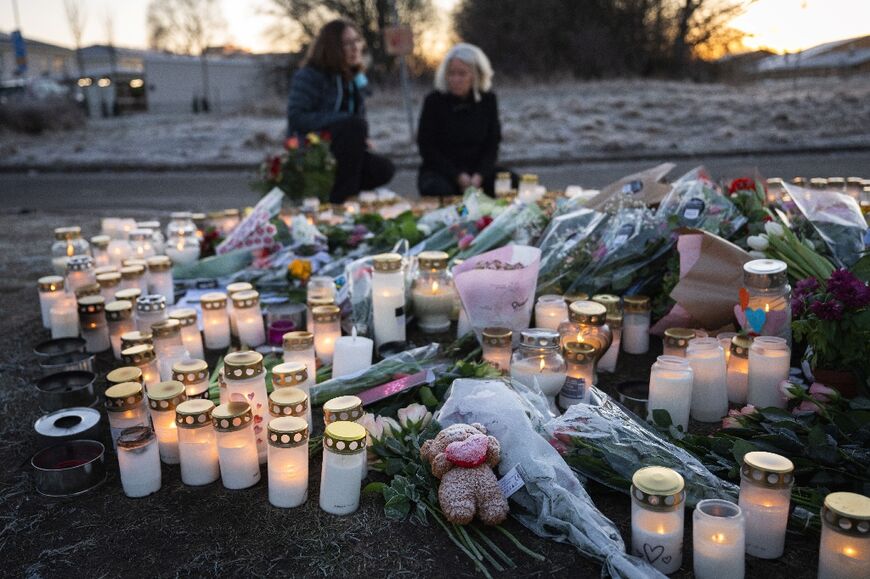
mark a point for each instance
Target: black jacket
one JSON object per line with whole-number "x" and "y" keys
{"x": 315, "y": 101}
{"x": 459, "y": 135}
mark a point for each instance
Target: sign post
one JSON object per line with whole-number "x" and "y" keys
{"x": 399, "y": 41}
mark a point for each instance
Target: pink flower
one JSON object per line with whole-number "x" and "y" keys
{"x": 747, "y": 410}
{"x": 560, "y": 446}
{"x": 466, "y": 241}
{"x": 822, "y": 393}
{"x": 805, "y": 406}
{"x": 731, "y": 422}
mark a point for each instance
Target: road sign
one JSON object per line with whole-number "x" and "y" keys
{"x": 20, "y": 52}
{"x": 399, "y": 40}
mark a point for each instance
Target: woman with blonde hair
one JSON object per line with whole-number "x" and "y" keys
{"x": 459, "y": 132}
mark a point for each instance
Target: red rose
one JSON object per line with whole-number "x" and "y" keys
{"x": 275, "y": 168}
{"x": 742, "y": 184}
{"x": 292, "y": 143}
{"x": 483, "y": 222}
{"x": 326, "y": 136}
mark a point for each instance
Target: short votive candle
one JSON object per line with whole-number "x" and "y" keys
{"x": 657, "y": 511}
{"x": 51, "y": 289}
{"x": 163, "y": 398}
{"x": 844, "y": 549}
{"x": 197, "y": 442}
{"x": 765, "y": 494}
{"x": 288, "y": 461}
{"x": 718, "y": 540}
{"x": 769, "y": 363}
{"x": 215, "y": 321}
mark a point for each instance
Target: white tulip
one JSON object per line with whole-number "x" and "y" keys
{"x": 773, "y": 228}
{"x": 757, "y": 254}
{"x": 757, "y": 242}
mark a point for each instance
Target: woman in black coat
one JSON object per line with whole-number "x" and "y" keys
{"x": 328, "y": 94}
{"x": 459, "y": 132}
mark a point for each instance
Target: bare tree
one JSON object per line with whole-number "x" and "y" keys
{"x": 186, "y": 27}
{"x": 76, "y": 18}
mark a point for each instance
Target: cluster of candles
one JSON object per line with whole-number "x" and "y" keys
{"x": 174, "y": 422}
{"x": 724, "y": 532}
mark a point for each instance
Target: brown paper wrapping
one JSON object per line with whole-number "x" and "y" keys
{"x": 652, "y": 189}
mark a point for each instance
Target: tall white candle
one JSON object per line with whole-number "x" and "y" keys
{"x": 710, "y": 389}
{"x": 197, "y": 442}
{"x": 293, "y": 375}
{"x": 765, "y": 494}
{"x": 550, "y": 311}
{"x": 657, "y": 501}
{"x": 139, "y": 461}
{"x": 64, "y": 318}
{"x": 246, "y": 382}
{"x": 215, "y": 321}
{"x": 50, "y": 290}
{"x": 163, "y": 398}
{"x": 237, "y": 448}
{"x": 670, "y": 388}
{"x": 738, "y": 369}
{"x": 299, "y": 348}
{"x": 92, "y": 318}
{"x": 288, "y": 462}
{"x": 79, "y": 272}
{"x": 160, "y": 279}
{"x": 190, "y": 334}
{"x": 249, "y": 318}
{"x": 119, "y": 250}
{"x": 718, "y": 540}
{"x": 388, "y": 299}
{"x": 352, "y": 354}
{"x": 327, "y": 330}
{"x": 344, "y": 456}
{"x": 635, "y": 325}
{"x": 233, "y": 288}
{"x": 769, "y": 361}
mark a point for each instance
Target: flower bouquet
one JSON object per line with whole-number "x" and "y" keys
{"x": 305, "y": 168}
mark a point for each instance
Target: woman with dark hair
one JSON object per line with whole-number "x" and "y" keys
{"x": 328, "y": 94}
{"x": 459, "y": 132}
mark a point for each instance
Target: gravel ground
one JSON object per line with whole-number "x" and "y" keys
{"x": 210, "y": 530}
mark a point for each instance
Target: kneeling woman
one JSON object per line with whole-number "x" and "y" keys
{"x": 459, "y": 131}
{"x": 328, "y": 94}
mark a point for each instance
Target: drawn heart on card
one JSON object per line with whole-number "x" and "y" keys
{"x": 744, "y": 298}
{"x": 756, "y": 318}
{"x": 666, "y": 559}
{"x": 653, "y": 553}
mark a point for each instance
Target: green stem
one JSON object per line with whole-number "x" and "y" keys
{"x": 457, "y": 542}
{"x": 519, "y": 545}
{"x": 492, "y": 560}
{"x": 486, "y": 540}
{"x": 463, "y": 536}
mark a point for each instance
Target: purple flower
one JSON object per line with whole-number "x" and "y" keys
{"x": 805, "y": 287}
{"x": 847, "y": 288}
{"x": 797, "y": 307}
{"x": 830, "y": 310}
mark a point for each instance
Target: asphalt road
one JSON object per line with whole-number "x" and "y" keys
{"x": 205, "y": 191}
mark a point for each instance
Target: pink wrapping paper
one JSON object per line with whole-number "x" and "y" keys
{"x": 255, "y": 231}
{"x": 497, "y": 288}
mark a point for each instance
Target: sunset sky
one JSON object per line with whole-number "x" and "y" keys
{"x": 783, "y": 25}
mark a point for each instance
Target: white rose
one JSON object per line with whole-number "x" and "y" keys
{"x": 373, "y": 425}
{"x": 391, "y": 427}
{"x": 414, "y": 416}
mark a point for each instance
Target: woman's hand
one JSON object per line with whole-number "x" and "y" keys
{"x": 464, "y": 181}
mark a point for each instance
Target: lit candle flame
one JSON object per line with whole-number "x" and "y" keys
{"x": 718, "y": 538}
{"x": 434, "y": 287}
{"x": 70, "y": 250}
{"x": 542, "y": 365}
{"x": 850, "y": 551}
{"x": 766, "y": 308}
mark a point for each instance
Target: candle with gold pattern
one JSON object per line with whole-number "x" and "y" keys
{"x": 293, "y": 375}
{"x": 657, "y": 510}
{"x": 249, "y": 318}
{"x": 197, "y": 442}
{"x": 215, "y": 320}
{"x": 160, "y": 277}
{"x": 144, "y": 358}
{"x": 190, "y": 333}
{"x": 92, "y": 318}
{"x": 344, "y": 456}
{"x": 844, "y": 550}
{"x": 194, "y": 375}
{"x": 765, "y": 495}
{"x": 327, "y": 329}
{"x": 246, "y": 381}
{"x": 237, "y": 446}
{"x": 51, "y": 288}
{"x": 288, "y": 461}
{"x": 125, "y": 406}
{"x": 163, "y": 398}
{"x": 119, "y": 317}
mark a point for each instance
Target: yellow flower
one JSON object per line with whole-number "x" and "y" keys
{"x": 300, "y": 269}
{"x": 313, "y": 138}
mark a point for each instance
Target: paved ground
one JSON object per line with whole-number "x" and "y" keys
{"x": 208, "y": 190}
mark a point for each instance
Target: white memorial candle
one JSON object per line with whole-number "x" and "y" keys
{"x": 670, "y": 388}
{"x": 160, "y": 278}
{"x": 635, "y": 324}
{"x": 844, "y": 549}
{"x": 134, "y": 276}
{"x": 769, "y": 362}
{"x": 352, "y": 354}
{"x": 50, "y": 290}
{"x": 765, "y": 494}
{"x": 293, "y": 375}
{"x": 496, "y": 345}
{"x": 100, "y": 250}
{"x": 168, "y": 346}
{"x": 550, "y": 311}
{"x": 92, "y": 319}
{"x": 327, "y": 330}
{"x": 245, "y": 378}
{"x": 143, "y": 357}
{"x": 288, "y": 462}
{"x": 190, "y": 334}
{"x": 139, "y": 461}
{"x": 215, "y": 321}
{"x": 718, "y": 540}
{"x": 233, "y": 288}
{"x": 299, "y": 348}
{"x": 163, "y": 398}
{"x": 119, "y": 317}
{"x": 64, "y": 317}
{"x": 125, "y": 407}
{"x": 249, "y": 318}
{"x": 709, "y": 389}
{"x": 194, "y": 375}
{"x": 657, "y": 501}
{"x": 433, "y": 292}
{"x": 197, "y": 442}
{"x": 237, "y": 448}
{"x": 119, "y": 250}
{"x": 738, "y": 369}
{"x": 580, "y": 360}
{"x": 388, "y": 299}
{"x": 79, "y": 272}
{"x": 182, "y": 249}
{"x": 538, "y": 363}
{"x": 676, "y": 341}
{"x": 110, "y": 282}
{"x": 344, "y": 455}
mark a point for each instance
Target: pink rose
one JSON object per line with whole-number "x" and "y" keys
{"x": 730, "y": 422}
{"x": 466, "y": 241}
{"x": 747, "y": 410}
{"x": 805, "y": 406}
{"x": 822, "y": 393}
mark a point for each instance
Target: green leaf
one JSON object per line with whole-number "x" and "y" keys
{"x": 740, "y": 448}
{"x": 861, "y": 269}
{"x": 427, "y": 398}
{"x": 662, "y": 418}
{"x": 374, "y": 488}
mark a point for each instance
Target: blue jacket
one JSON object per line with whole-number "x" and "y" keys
{"x": 315, "y": 100}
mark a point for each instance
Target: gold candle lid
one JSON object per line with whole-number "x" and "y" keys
{"x": 159, "y": 263}
{"x": 165, "y": 396}
{"x": 67, "y": 233}
{"x": 289, "y": 374}
{"x": 387, "y": 262}
{"x": 245, "y": 299}
{"x": 342, "y": 408}
{"x": 539, "y": 338}
{"x": 185, "y": 316}
{"x": 130, "y": 294}
{"x": 134, "y": 261}
{"x": 91, "y": 305}
{"x": 611, "y": 302}
{"x": 658, "y": 488}
{"x": 768, "y": 469}
{"x": 344, "y": 437}
{"x": 436, "y": 260}
{"x": 136, "y": 338}
{"x": 138, "y": 355}
{"x": 194, "y": 413}
{"x": 231, "y": 212}
{"x": 740, "y": 346}
{"x": 80, "y": 263}
{"x": 101, "y": 241}
{"x": 89, "y": 289}
{"x": 288, "y": 432}
{"x": 325, "y": 314}
{"x": 106, "y": 269}
{"x": 232, "y": 416}
{"x": 320, "y": 301}
{"x": 636, "y": 304}
{"x": 298, "y": 340}
{"x": 109, "y": 279}
{"x": 132, "y": 272}
{"x": 678, "y": 337}
{"x": 239, "y": 286}
{"x": 503, "y": 175}
{"x": 575, "y": 297}
{"x": 190, "y": 372}
{"x": 497, "y": 337}
{"x": 587, "y": 312}
{"x": 124, "y": 396}
{"x": 529, "y": 178}
{"x": 50, "y": 283}
{"x": 213, "y": 301}
{"x": 848, "y": 513}
{"x": 243, "y": 365}
{"x": 125, "y": 374}
{"x": 579, "y": 353}
{"x": 151, "y": 303}
{"x": 118, "y": 311}
{"x": 166, "y": 329}
{"x": 135, "y": 437}
{"x": 288, "y": 402}
{"x": 837, "y": 182}
{"x": 614, "y": 321}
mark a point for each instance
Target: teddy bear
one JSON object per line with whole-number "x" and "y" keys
{"x": 463, "y": 456}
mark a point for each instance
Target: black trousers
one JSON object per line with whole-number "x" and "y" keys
{"x": 356, "y": 169}
{"x": 433, "y": 184}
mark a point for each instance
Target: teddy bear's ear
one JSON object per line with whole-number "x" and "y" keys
{"x": 479, "y": 426}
